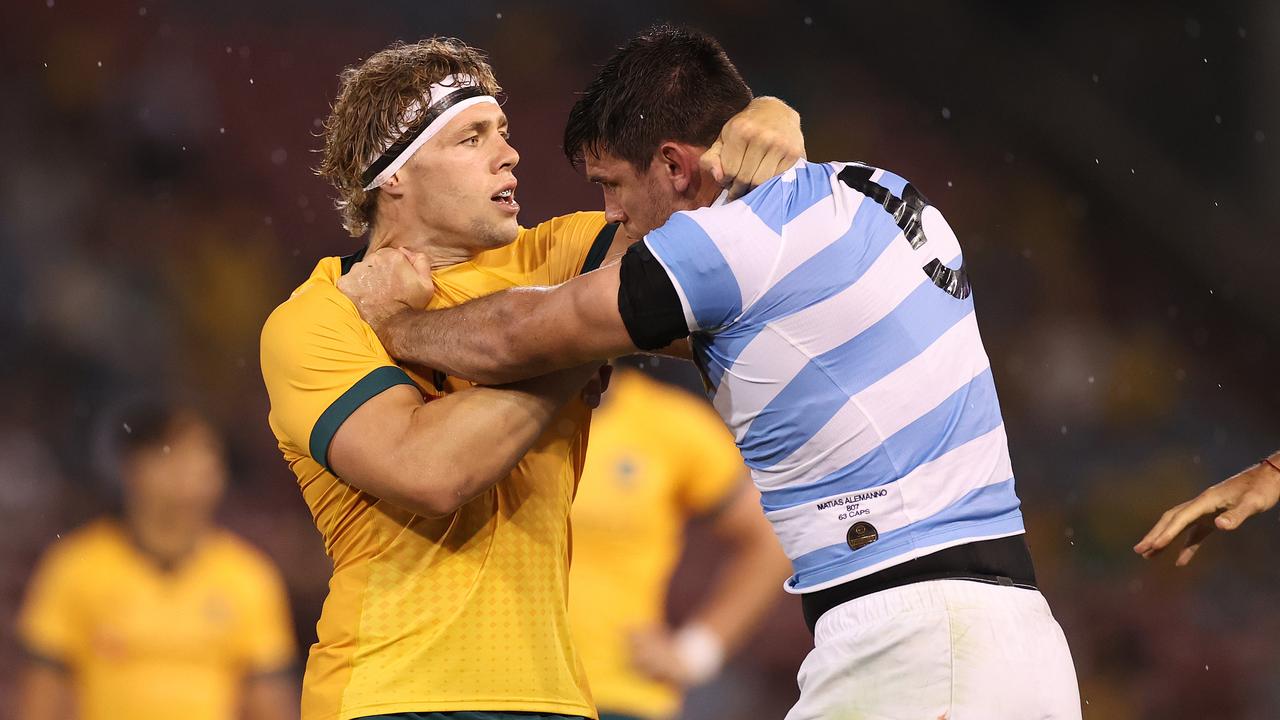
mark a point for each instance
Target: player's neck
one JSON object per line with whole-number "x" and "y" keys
{"x": 167, "y": 541}
{"x": 398, "y": 235}
{"x": 703, "y": 191}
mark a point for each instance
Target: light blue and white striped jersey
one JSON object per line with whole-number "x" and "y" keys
{"x": 835, "y": 331}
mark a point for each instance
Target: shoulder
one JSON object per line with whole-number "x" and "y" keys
{"x": 565, "y": 246}
{"x": 240, "y": 560}
{"x": 569, "y": 235}
{"x": 316, "y": 299}
{"x": 316, "y": 313}
{"x": 675, "y": 408}
{"x": 87, "y": 546}
{"x": 567, "y": 227}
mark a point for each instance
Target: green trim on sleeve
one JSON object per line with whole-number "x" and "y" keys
{"x": 599, "y": 248}
{"x": 337, "y": 413}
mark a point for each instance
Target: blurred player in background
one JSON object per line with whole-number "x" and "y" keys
{"x": 832, "y": 319}
{"x": 444, "y": 506}
{"x": 657, "y": 459}
{"x": 157, "y": 613}
{"x": 1222, "y": 507}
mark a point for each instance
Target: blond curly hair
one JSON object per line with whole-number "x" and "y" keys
{"x": 368, "y": 113}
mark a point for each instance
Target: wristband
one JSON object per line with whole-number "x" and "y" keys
{"x": 1267, "y": 460}
{"x": 701, "y": 652}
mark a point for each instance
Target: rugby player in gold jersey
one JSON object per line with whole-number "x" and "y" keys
{"x": 444, "y": 506}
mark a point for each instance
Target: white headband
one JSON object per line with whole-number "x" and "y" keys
{"x": 446, "y": 99}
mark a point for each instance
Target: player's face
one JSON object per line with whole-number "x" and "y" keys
{"x": 182, "y": 480}
{"x": 640, "y": 201}
{"x": 460, "y": 185}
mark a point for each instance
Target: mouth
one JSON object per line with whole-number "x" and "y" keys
{"x": 506, "y": 199}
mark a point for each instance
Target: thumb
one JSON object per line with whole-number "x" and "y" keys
{"x": 711, "y": 161}
{"x": 420, "y": 262}
{"x": 1231, "y": 519}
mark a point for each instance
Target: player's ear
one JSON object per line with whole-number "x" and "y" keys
{"x": 394, "y": 186}
{"x": 679, "y": 165}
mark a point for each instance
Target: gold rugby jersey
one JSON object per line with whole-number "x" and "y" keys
{"x": 150, "y": 643}
{"x": 466, "y": 612}
{"x": 658, "y": 456}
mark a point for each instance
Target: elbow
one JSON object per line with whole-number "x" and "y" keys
{"x": 435, "y": 505}
{"x": 448, "y": 492}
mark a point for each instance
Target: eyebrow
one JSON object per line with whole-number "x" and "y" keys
{"x": 479, "y": 127}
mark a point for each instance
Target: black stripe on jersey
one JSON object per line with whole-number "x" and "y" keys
{"x": 599, "y": 248}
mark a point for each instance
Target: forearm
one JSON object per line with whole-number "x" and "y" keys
{"x": 460, "y": 445}
{"x": 746, "y": 586}
{"x": 272, "y": 697}
{"x": 476, "y": 340}
{"x": 515, "y": 334}
{"x": 45, "y": 694}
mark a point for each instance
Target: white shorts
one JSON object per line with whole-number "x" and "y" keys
{"x": 952, "y": 649}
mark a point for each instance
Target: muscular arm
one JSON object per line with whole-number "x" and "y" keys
{"x": 45, "y": 692}
{"x": 516, "y": 334}
{"x": 747, "y": 583}
{"x": 430, "y": 458}
{"x": 271, "y": 696}
{"x": 750, "y": 578}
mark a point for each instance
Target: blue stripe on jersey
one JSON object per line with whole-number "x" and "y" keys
{"x": 699, "y": 269}
{"x": 970, "y": 412}
{"x": 828, "y": 272}
{"x": 828, "y": 381}
{"x": 989, "y": 510}
{"x": 778, "y": 206}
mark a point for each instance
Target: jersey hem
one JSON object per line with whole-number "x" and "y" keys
{"x": 540, "y": 706}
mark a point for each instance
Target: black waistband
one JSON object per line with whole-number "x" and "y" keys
{"x": 1003, "y": 561}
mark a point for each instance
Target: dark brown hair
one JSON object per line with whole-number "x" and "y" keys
{"x": 668, "y": 83}
{"x": 371, "y": 104}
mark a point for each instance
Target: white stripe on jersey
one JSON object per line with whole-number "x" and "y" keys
{"x": 928, "y": 490}
{"x": 849, "y": 435}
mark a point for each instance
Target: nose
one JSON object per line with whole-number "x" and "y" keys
{"x": 508, "y": 158}
{"x": 613, "y": 211}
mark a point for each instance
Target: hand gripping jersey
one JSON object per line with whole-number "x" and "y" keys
{"x": 833, "y": 324}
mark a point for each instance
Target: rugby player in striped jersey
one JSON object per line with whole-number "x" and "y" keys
{"x": 832, "y": 319}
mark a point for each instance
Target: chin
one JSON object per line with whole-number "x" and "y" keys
{"x": 490, "y": 236}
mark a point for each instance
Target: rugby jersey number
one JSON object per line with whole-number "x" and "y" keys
{"x": 908, "y": 212}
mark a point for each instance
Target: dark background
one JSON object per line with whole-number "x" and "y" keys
{"x": 1110, "y": 169}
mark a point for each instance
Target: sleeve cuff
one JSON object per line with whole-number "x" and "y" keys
{"x": 337, "y": 413}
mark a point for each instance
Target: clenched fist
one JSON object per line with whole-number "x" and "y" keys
{"x": 388, "y": 281}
